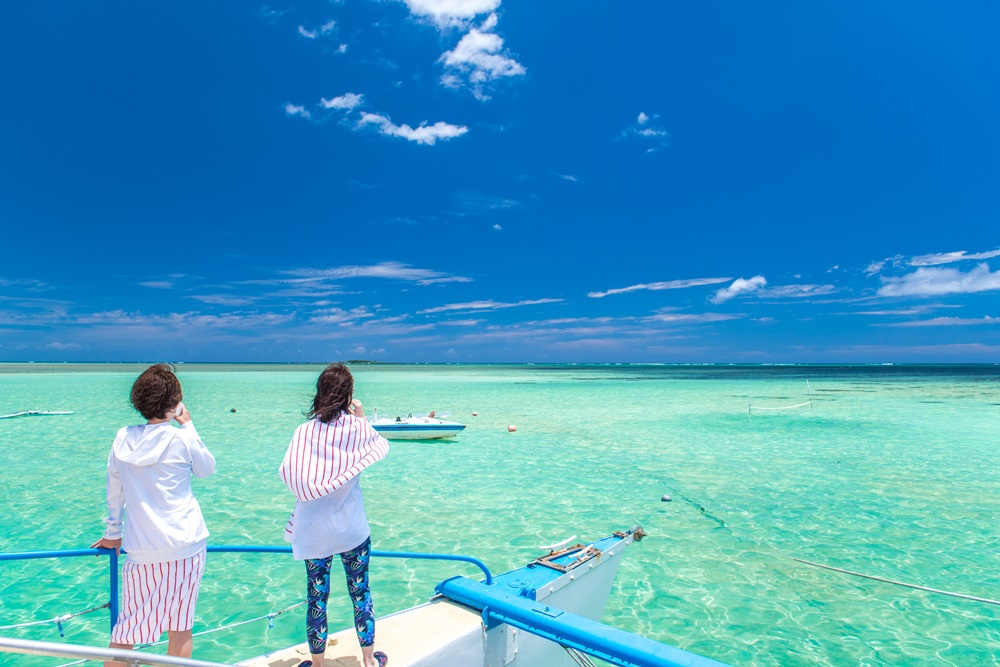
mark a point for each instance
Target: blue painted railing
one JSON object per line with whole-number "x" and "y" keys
{"x": 114, "y": 557}
{"x": 562, "y": 627}
{"x": 497, "y": 606}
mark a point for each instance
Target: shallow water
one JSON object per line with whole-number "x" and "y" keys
{"x": 892, "y": 473}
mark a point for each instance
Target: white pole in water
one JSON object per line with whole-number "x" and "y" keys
{"x": 749, "y": 405}
{"x": 810, "y": 395}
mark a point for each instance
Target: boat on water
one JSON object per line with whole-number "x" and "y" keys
{"x": 421, "y": 427}
{"x": 545, "y": 614}
{"x": 37, "y": 413}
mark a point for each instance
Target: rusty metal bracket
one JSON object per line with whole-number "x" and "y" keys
{"x": 585, "y": 554}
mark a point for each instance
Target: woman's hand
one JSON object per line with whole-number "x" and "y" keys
{"x": 105, "y": 543}
{"x": 356, "y": 409}
{"x": 182, "y": 416}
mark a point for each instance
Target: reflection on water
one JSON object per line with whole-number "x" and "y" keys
{"x": 893, "y": 473}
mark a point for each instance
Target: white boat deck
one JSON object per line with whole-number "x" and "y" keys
{"x": 434, "y": 633}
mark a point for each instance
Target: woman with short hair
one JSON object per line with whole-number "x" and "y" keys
{"x": 149, "y": 481}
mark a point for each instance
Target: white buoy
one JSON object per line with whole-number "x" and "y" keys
{"x": 511, "y": 428}
{"x": 665, "y": 499}
{"x": 475, "y": 414}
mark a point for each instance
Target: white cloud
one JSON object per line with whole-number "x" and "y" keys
{"x": 918, "y": 310}
{"x": 444, "y": 279}
{"x": 324, "y": 29}
{"x": 423, "y": 134}
{"x": 223, "y": 299}
{"x": 796, "y": 291}
{"x": 950, "y": 257}
{"x": 938, "y": 282}
{"x": 347, "y": 101}
{"x": 445, "y": 13}
{"x": 646, "y": 130}
{"x": 484, "y": 305}
{"x": 948, "y": 321}
{"x": 874, "y": 268}
{"x": 390, "y": 270}
{"x": 341, "y": 316}
{"x": 567, "y": 177}
{"x": 476, "y": 201}
{"x": 739, "y": 286}
{"x": 669, "y": 284}
{"x": 297, "y": 110}
{"x": 497, "y": 227}
{"x": 477, "y": 60}
{"x": 157, "y": 284}
{"x": 342, "y": 48}
{"x": 693, "y": 318}
{"x": 62, "y": 346}
{"x": 271, "y": 15}
{"x": 22, "y": 282}
{"x": 461, "y": 323}
{"x": 558, "y": 321}
{"x": 184, "y": 322}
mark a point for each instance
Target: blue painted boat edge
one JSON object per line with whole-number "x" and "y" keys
{"x": 512, "y": 599}
{"x": 591, "y": 637}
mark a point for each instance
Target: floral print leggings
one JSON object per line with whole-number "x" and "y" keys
{"x": 318, "y": 591}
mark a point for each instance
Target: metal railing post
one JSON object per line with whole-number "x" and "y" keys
{"x": 113, "y": 606}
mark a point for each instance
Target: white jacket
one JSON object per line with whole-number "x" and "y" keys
{"x": 149, "y": 472}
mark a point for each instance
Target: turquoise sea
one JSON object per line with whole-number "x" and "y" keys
{"x": 894, "y": 472}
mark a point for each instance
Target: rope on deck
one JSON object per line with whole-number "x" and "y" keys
{"x": 900, "y": 583}
{"x": 58, "y": 620}
{"x": 270, "y": 624}
{"x": 581, "y": 659}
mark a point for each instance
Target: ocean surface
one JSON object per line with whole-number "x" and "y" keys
{"x": 892, "y": 471}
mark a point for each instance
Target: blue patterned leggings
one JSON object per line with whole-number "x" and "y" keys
{"x": 318, "y": 591}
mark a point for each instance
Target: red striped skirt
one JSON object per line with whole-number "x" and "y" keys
{"x": 157, "y": 597}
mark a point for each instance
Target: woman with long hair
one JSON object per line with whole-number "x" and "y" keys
{"x": 322, "y": 468}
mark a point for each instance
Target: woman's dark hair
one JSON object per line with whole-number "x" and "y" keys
{"x": 156, "y": 392}
{"x": 334, "y": 390}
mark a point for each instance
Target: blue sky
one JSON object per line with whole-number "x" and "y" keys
{"x": 492, "y": 180}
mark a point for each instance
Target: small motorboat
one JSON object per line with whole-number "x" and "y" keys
{"x": 421, "y": 427}
{"x": 36, "y": 413}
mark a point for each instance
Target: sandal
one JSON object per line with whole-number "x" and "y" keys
{"x": 381, "y": 657}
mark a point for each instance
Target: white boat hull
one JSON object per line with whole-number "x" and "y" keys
{"x": 417, "y": 428}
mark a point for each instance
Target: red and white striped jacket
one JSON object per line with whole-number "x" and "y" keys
{"x": 324, "y": 456}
